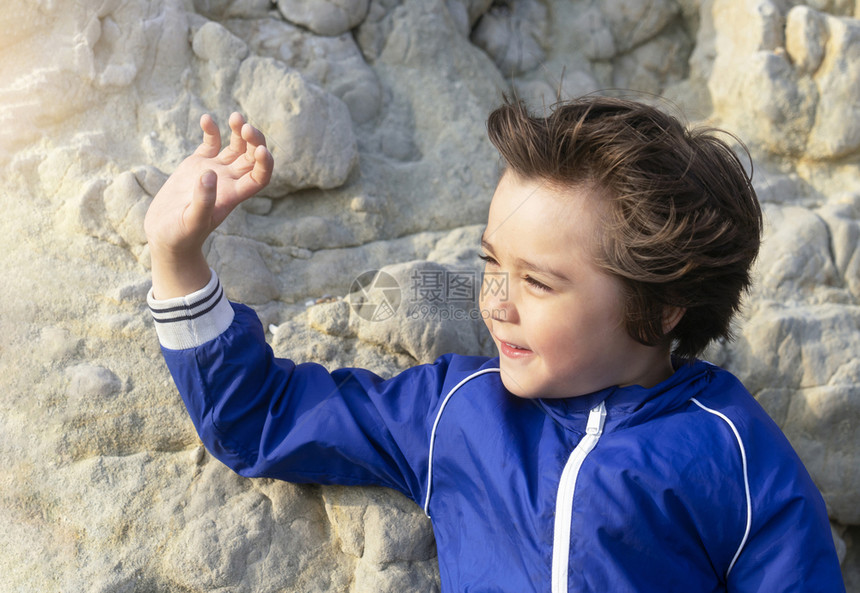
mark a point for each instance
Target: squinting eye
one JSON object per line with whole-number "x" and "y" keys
{"x": 488, "y": 259}
{"x": 537, "y": 285}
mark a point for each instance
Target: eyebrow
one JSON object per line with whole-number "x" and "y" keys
{"x": 528, "y": 265}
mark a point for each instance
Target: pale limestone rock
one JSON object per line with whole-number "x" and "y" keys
{"x": 106, "y": 487}
{"x": 126, "y": 204}
{"x": 633, "y": 22}
{"x": 330, "y": 318}
{"x": 91, "y": 381}
{"x": 836, "y": 132}
{"x": 325, "y": 17}
{"x": 654, "y": 64}
{"x": 795, "y": 71}
{"x": 594, "y": 33}
{"x": 215, "y": 44}
{"x": 57, "y": 344}
{"x": 397, "y": 533}
{"x": 829, "y": 412}
{"x": 225, "y": 9}
{"x": 843, "y": 220}
{"x": 512, "y": 36}
{"x": 434, "y": 311}
{"x": 309, "y": 131}
{"x": 805, "y": 38}
{"x": 796, "y": 260}
{"x": 465, "y": 13}
{"x": 242, "y": 269}
{"x": 377, "y": 25}
{"x": 414, "y": 576}
{"x": 334, "y": 63}
{"x": 345, "y": 509}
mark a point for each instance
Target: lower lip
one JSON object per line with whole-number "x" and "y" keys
{"x": 512, "y": 352}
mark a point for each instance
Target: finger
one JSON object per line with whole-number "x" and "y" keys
{"x": 260, "y": 175}
{"x": 211, "y": 136}
{"x": 198, "y": 216}
{"x": 254, "y": 138}
{"x": 264, "y": 164}
{"x": 237, "y": 143}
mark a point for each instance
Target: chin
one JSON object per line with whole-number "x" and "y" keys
{"x": 517, "y": 389}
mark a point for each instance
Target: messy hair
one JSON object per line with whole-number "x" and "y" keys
{"x": 681, "y": 224}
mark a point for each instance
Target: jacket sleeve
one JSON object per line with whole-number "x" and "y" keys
{"x": 788, "y": 545}
{"x": 269, "y": 417}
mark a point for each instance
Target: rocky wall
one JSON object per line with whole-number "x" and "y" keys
{"x": 375, "y": 112}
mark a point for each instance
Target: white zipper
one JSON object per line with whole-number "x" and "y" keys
{"x": 564, "y": 498}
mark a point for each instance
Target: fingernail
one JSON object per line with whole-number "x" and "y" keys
{"x": 208, "y": 179}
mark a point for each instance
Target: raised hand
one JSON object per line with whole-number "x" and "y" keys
{"x": 197, "y": 197}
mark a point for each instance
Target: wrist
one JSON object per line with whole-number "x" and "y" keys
{"x": 176, "y": 275}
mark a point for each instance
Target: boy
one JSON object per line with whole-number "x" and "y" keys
{"x": 596, "y": 453}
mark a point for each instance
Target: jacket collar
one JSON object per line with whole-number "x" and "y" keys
{"x": 631, "y": 405}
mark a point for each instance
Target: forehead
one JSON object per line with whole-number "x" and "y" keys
{"x": 538, "y": 212}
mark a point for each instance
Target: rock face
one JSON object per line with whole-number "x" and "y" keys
{"x": 375, "y": 112}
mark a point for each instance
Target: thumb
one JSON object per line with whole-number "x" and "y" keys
{"x": 199, "y": 213}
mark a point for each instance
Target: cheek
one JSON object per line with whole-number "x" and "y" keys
{"x": 554, "y": 330}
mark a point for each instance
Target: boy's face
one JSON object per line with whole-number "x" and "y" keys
{"x": 559, "y": 326}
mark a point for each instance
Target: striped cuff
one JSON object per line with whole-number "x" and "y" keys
{"x": 193, "y": 320}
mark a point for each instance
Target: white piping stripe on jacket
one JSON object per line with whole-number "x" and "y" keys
{"x": 564, "y": 498}
{"x": 746, "y": 480}
{"x": 436, "y": 423}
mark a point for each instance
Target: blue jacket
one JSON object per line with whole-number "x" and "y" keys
{"x": 685, "y": 487}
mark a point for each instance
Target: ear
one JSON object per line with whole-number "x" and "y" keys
{"x": 671, "y": 317}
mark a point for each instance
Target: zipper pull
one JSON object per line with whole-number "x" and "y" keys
{"x": 596, "y": 418}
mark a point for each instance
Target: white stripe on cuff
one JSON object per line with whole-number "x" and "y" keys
{"x": 192, "y": 320}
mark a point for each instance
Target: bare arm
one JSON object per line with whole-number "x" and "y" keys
{"x": 196, "y": 198}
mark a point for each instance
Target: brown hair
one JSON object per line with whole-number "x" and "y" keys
{"x": 681, "y": 221}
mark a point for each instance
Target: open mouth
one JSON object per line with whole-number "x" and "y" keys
{"x": 513, "y": 350}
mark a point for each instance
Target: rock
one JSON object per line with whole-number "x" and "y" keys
{"x": 308, "y": 130}
{"x": 415, "y": 576}
{"x": 800, "y": 62}
{"x": 92, "y": 381}
{"x": 805, "y": 38}
{"x": 829, "y": 412}
{"x": 125, "y": 204}
{"x": 466, "y": 13}
{"x": 330, "y": 318}
{"x": 798, "y": 258}
{"x": 633, "y": 23}
{"x": 421, "y": 308}
{"x": 512, "y": 36}
{"x": 213, "y": 43}
{"x": 242, "y": 270}
{"x": 397, "y": 533}
{"x": 836, "y": 133}
{"x": 58, "y": 344}
{"x": 842, "y": 217}
{"x": 224, "y": 9}
{"x": 376, "y": 111}
{"x": 334, "y": 63}
{"x": 324, "y": 17}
